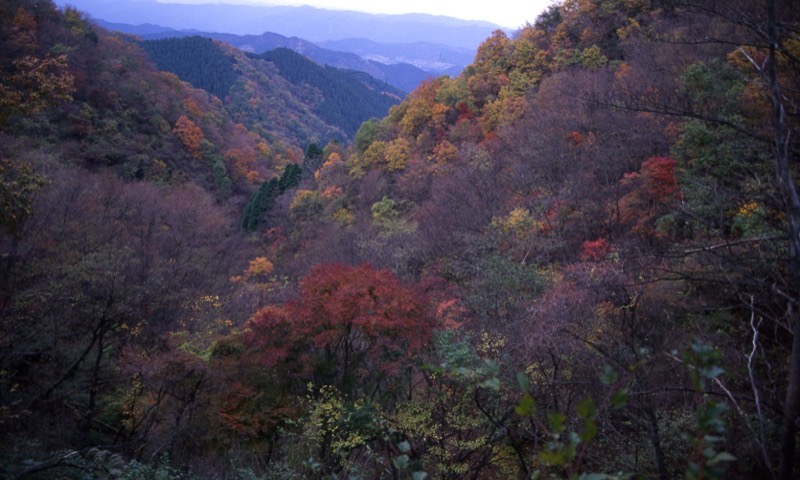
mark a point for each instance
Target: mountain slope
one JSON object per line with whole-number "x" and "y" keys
{"x": 348, "y": 99}
{"x": 339, "y": 98}
{"x": 196, "y": 60}
{"x": 404, "y": 75}
{"x": 128, "y": 116}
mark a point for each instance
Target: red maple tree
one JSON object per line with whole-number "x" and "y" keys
{"x": 350, "y": 326}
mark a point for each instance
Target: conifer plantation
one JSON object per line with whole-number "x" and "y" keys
{"x": 579, "y": 259}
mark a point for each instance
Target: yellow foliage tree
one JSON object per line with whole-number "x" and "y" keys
{"x": 259, "y": 266}
{"x": 190, "y": 135}
{"x": 397, "y": 154}
{"x": 36, "y": 84}
{"x": 445, "y": 152}
{"x": 493, "y": 54}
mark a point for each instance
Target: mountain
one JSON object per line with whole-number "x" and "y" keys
{"x": 435, "y": 45}
{"x": 348, "y": 99}
{"x": 401, "y": 75}
{"x": 430, "y": 57}
{"x": 579, "y": 258}
{"x": 222, "y": 119}
{"x": 147, "y": 30}
{"x": 339, "y": 97}
{"x": 313, "y": 24}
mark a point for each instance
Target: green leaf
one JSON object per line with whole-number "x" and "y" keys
{"x": 556, "y": 422}
{"x": 586, "y": 408}
{"x": 712, "y": 371}
{"x": 465, "y": 372}
{"x": 692, "y": 471}
{"x": 312, "y": 464}
{"x": 492, "y": 383}
{"x": 589, "y": 432}
{"x": 404, "y": 446}
{"x": 620, "y": 398}
{"x": 419, "y": 475}
{"x": 608, "y": 375}
{"x": 551, "y": 458}
{"x": 526, "y": 406}
{"x": 491, "y": 366}
{"x": 524, "y": 383}
{"x": 595, "y": 476}
{"x": 401, "y": 462}
{"x": 721, "y": 457}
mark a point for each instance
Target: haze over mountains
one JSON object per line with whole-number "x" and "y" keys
{"x": 404, "y": 66}
{"x": 400, "y": 49}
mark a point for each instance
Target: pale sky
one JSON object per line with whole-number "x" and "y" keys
{"x": 511, "y": 14}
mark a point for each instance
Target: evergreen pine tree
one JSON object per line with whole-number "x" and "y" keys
{"x": 260, "y": 204}
{"x": 290, "y": 177}
{"x": 264, "y": 198}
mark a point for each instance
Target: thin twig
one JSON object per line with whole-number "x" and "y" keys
{"x": 756, "y": 395}
{"x": 728, "y": 393}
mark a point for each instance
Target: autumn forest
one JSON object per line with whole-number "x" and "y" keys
{"x": 578, "y": 259}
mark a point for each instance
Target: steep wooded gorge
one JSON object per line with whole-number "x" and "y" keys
{"x": 578, "y": 259}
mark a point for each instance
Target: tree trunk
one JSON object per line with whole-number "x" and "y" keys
{"x": 655, "y": 441}
{"x": 792, "y": 408}
{"x": 792, "y": 206}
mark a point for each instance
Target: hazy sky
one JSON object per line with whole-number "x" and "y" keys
{"x": 506, "y": 13}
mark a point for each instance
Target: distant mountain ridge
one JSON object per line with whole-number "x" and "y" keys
{"x": 426, "y": 56}
{"x": 313, "y": 24}
{"x": 402, "y": 75}
{"x": 335, "y": 96}
{"x": 402, "y": 50}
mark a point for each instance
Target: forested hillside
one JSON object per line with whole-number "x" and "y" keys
{"x": 331, "y": 103}
{"x": 579, "y": 259}
{"x": 349, "y": 98}
{"x": 199, "y": 61}
{"x": 400, "y": 75}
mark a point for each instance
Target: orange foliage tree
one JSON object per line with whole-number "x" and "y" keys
{"x": 190, "y": 135}
{"x": 351, "y": 327}
{"x": 244, "y": 162}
